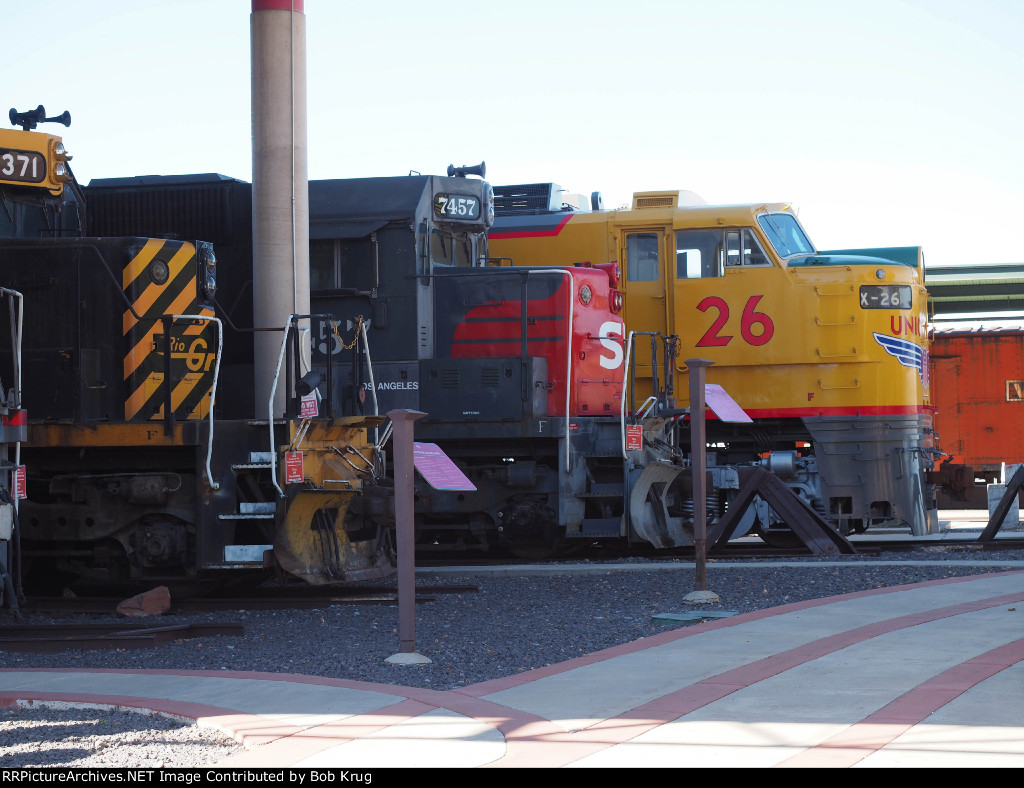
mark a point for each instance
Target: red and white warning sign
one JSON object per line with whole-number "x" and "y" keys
{"x": 18, "y": 482}
{"x": 634, "y": 437}
{"x": 293, "y": 467}
{"x": 307, "y": 406}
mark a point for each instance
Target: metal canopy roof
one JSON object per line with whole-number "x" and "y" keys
{"x": 976, "y": 289}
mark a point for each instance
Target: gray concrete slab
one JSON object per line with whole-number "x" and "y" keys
{"x": 929, "y": 675}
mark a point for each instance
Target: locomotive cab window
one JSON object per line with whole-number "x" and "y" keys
{"x": 642, "y": 257}
{"x": 742, "y": 249}
{"x": 336, "y": 264}
{"x": 702, "y": 254}
{"x": 698, "y": 254}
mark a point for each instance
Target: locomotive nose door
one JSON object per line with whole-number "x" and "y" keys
{"x": 643, "y": 254}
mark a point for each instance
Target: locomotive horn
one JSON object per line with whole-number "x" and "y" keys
{"x": 31, "y": 118}
{"x": 463, "y": 171}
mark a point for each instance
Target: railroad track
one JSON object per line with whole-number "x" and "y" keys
{"x": 49, "y": 638}
{"x": 52, "y": 637}
{"x": 752, "y": 548}
{"x": 296, "y": 597}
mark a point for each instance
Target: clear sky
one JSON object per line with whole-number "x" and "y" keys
{"x": 884, "y": 122}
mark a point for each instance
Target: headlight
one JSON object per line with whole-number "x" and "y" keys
{"x": 207, "y": 274}
{"x": 489, "y": 208}
{"x": 159, "y": 272}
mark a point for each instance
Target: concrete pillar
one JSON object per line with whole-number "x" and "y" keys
{"x": 280, "y": 185}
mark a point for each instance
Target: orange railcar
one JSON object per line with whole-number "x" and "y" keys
{"x": 977, "y": 383}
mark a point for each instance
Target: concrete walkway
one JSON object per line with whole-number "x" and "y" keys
{"x": 923, "y": 675}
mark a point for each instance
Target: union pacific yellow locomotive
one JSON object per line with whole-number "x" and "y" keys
{"x": 827, "y": 351}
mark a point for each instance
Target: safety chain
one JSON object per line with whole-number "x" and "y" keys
{"x": 365, "y": 472}
{"x": 355, "y": 338}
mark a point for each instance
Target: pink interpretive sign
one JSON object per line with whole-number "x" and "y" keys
{"x": 722, "y": 405}
{"x": 438, "y": 469}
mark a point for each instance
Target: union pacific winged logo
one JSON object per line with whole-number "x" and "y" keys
{"x": 906, "y": 352}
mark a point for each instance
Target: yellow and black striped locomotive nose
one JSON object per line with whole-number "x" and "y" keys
{"x": 162, "y": 278}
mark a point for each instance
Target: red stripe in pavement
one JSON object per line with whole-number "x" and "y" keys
{"x": 877, "y": 730}
{"x": 560, "y": 748}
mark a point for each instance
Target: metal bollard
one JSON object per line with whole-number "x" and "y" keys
{"x": 402, "y": 440}
{"x": 698, "y": 465}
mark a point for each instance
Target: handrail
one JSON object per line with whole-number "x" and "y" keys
{"x": 622, "y": 399}
{"x": 369, "y": 367}
{"x": 651, "y": 401}
{"x": 568, "y": 355}
{"x": 16, "y": 341}
{"x": 270, "y": 402}
{"x": 213, "y": 387}
{"x": 646, "y": 407}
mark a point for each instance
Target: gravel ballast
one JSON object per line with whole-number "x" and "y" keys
{"x": 511, "y": 624}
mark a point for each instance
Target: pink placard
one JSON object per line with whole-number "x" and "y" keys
{"x": 722, "y": 405}
{"x": 438, "y": 469}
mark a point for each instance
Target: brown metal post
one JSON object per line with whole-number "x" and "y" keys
{"x": 698, "y": 464}
{"x": 402, "y": 449}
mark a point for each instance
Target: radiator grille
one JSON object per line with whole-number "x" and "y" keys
{"x": 654, "y": 202}
{"x": 527, "y": 197}
{"x": 185, "y": 212}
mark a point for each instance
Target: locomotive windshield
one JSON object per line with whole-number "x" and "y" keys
{"x": 785, "y": 234}
{"x": 450, "y": 248}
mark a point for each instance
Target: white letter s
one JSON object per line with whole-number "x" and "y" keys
{"x": 615, "y": 346}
